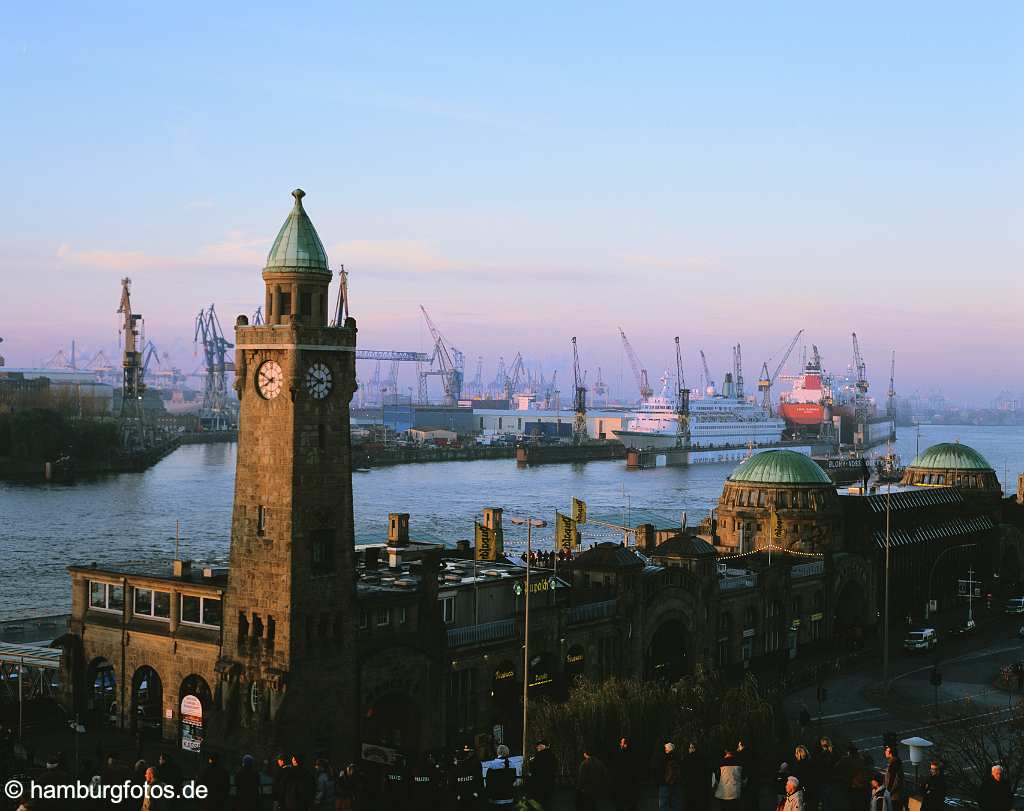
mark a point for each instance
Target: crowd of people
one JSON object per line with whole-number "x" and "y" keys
{"x": 815, "y": 778}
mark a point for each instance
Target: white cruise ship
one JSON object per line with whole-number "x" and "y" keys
{"x": 721, "y": 428}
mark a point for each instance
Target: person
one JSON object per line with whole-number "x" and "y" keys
{"x": 748, "y": 762}
{"x": 500, "y": 778}
{"x": 467, "y": 780}
{"x": 279, "y": 781}
{"x": 299, "y": 787}
{"x": 153, "y": 800}
{"x": 543, "y": 768}
{"x": 805, "y": 772}
{"x": 995, "y": 792}
{"x": 591, "y": 782}
{"x": 427, "y": 784}
{"x": 880, "y": 799}
{"x": 218, "y": 784}
{"x": 729, "y": 785}
{"x": 934, "y": 788}
{"x": 625, "y": 777}
{"x": 781, "y": 778}
{"x": 894, "y": 782}
{"x": 348, "y": 790}
{"x": 794, "y": 800}
{"x": 853, "y": 775}
{"x": 697, "y": 777}
{"x": 805, "y": 719}
{"x": 170, "y": 774}
{"x": 669, "y": 774}
{"x": 323, "y": 796}
{"x": 825, "y": 762}
{"x": 247, "y": 785}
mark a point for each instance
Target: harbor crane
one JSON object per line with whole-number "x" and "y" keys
{"x": 737, "y": 372}
{"x": 214, "y": 413}
{"x": 890, "y": 403}
{"x": 600, "y": 389}
{"x": 579, "y": 400}
{"x": 764, "y": 385}
{"x": 861, "y": 396}
{"x": 132, "y": 416}
{"x": 709, "y": 384}
{"x": 451, "y": 364}
{"x": 639, "y": 372}
{"x": 476, "y": 385}
{"x": 514, "y": 376}
{"x": 682, "y": 402}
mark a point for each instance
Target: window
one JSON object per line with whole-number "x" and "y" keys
{"x": 156, "y": 604}
{"x": 106, "y": 596}
{"x": 261, "y": 520}
{"x": 382, "y": 617}
{"x": 323, "y": 551}
{"x": 201, "y": 610}
{"x": 364, "y": 619}
{"x": 271, "y": 631}
{"x": 481, "y": 423}
{"x": 448, "y": 609}
{"x": 403, "y": 615}
{"x": 760, "y": 499}
{"x": 284, "y": 304}
{"x": 305, "y": 303}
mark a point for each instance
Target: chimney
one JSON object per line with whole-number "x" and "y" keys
{"x": 492, "y": 520}
{"x": 398, "y": 529}
{"x": 182, "y": 568}
{"x": 645, "y": 538}
{"x": 372, "y": 558}
{"x": 430, "y": 566}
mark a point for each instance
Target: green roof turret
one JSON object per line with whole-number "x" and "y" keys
{"x": 950, "y": 456}
{"x": 780, "y": 467}
{"x": 298, "y": 247}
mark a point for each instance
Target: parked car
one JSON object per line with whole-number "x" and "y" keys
{"x": 921, "y": 639}
{"x": 1015, "y": 605}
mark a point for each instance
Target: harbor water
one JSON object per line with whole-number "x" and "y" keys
{"x": 129, "y": 519}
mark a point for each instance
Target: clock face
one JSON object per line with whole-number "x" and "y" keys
{"x": 318, "y": 380}
{"x": 269, "y": 379}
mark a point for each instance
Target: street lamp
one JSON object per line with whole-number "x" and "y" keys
{"x": 885, "y": 628}
{"x": 530, "y": 524}
{"x": 918, "y": 749}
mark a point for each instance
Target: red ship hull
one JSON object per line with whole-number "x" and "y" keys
{"x": 802, "y": 413}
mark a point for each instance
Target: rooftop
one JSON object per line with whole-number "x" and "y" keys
{"x": 951, "y": 456}
{"x": 298, "y": 246}
{"x": 780, "y": 467}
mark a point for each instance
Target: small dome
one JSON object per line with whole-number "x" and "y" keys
{"x": 780, "y": 467}
{"x": 950, "y": 456}
{"x": 298, "y": 246}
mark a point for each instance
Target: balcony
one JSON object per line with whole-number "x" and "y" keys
{"x": 747, "y": 581}
{"x": 808, "y": 569}
{"x": 484, "y": 632}
{"x": 590, "y": 612}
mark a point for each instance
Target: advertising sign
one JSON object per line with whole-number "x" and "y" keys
{"x": 191, "y": 724}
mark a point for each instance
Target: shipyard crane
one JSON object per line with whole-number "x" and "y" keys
{"x": 450, "y": 365}
{"x": 497, "y": 386}
{"x": 709, "y": 384}
{"x": 861, "y": 396}
{"x": 257, "y": 318}
{"x": 890, "y": 404}
{"x": 764, "y": 385}
{"x": 600, "y": 389}
{"x": 737, "y": 371}
{"x": 639, "y": 372}
{"x": 476, "y": 385}
{"x": 132, "y": 416}
{"x": 341, "y": 310}
{"x": 682, "y": 402}
{"x": 513, "y": 377}
{"x": 214, "y": 413}
{"x": 579, "y": 400}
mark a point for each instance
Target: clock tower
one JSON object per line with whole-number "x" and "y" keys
{"x": 288, "y": 663}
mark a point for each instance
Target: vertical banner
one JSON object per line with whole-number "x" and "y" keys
{"x": 579, "y": 511}
{"x": 484, "y": 547}
{"x": 778, "y": 532}
{"x": 565, "y": 533}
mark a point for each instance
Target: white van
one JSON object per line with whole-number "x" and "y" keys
{"x": 921, "y": 639}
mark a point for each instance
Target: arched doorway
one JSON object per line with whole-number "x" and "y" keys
{"x": 101, "y": 693}
{"x": 147, "y": 702}
{"x": 506, "y": 705}
{"x": 393, "y": 721}
{"x": 194, "y": 704}
{"x": 667, "y": 655}
{"x": 851, "y": 614}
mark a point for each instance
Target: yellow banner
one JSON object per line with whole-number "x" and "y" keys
{"x": 485, "y": 548}
{"x": 565, "y": 533}
{"x": 579, "y": 511}
{"x": 778, "y": 537}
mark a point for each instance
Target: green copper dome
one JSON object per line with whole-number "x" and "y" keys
{"x": 951, "y": 456}
{"x": 298, "y": 247}
{"x": 780, "y": 467}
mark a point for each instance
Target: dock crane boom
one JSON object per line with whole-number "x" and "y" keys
{"x": 890, "y": 405}
{"x": 449, "y": 359}
{"x": 861, "y": 397}
{"x": 639, "y": 372}
{"x": 737, "y": 371}
{"x": 766, "y": 381}
{"x": 709, "y": 384}
{"x": 579, "y": 379}
{"x": 682, "y": 402}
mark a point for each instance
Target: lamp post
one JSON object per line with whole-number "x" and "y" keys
{"x": 918, "y": 749}
{"x": 530, "y": 524}
{"x": 885, "y": 628}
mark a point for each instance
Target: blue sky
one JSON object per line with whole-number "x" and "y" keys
{"x": 529, "y": 173}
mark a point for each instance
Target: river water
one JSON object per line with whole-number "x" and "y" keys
{"x": 130, "y": 518}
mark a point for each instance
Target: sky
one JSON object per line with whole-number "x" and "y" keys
{"x": 721, "y": 172}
